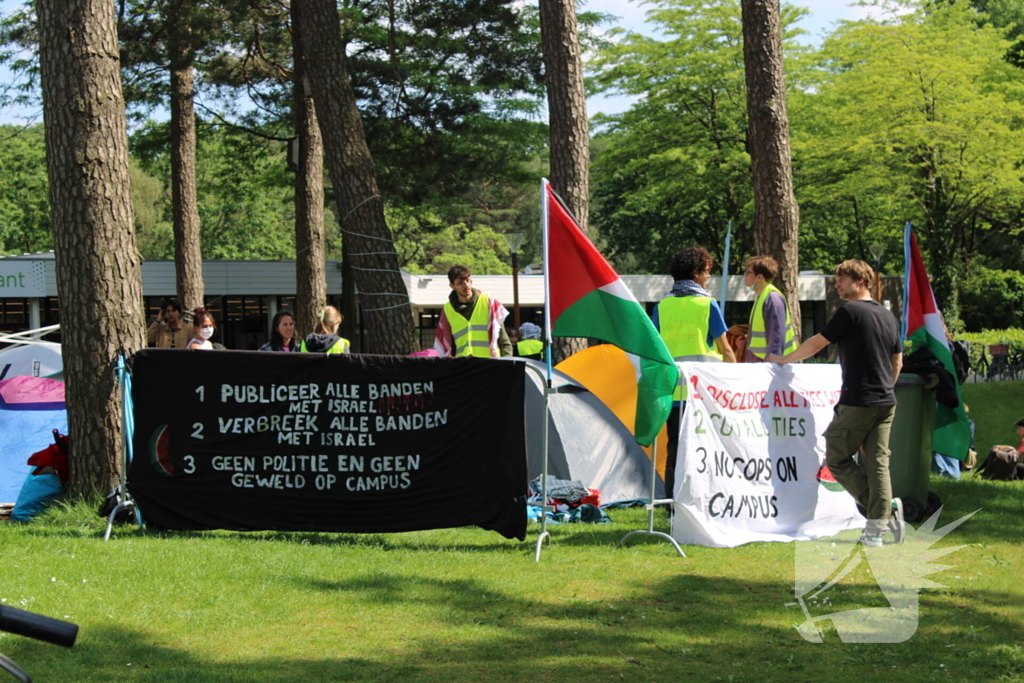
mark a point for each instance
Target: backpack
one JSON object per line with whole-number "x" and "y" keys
{"x": 125, "y": 515}
{"x": 961, "y": 352}
{"x": 1000, "y": 464}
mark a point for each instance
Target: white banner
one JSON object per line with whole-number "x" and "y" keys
{"x": 751, "y": 455}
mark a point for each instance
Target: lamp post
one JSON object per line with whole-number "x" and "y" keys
{"x": 876, "y": 252}
{"x": 514, "y": 240}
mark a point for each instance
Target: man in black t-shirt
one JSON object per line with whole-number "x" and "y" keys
{"x": 871, "y": 355}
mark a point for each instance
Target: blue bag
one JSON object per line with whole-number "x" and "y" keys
{"x": 37, "y": 493}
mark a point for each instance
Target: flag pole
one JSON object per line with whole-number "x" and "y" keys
{"x": 544, "y": 507}
{"x": 725, "y": 268}
{"x": 908, "y": 231}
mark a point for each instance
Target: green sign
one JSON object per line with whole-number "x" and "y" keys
{"x": 22, "y": 279}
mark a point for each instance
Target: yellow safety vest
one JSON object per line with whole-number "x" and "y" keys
{"x": 684, "y": 328}
{"x": 340, "y": 346}
{"x": 471, "y": 337}
{"x": 757, "y": 341}
{"x": 530, "y": 347}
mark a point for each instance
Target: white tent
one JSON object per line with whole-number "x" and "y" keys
{"x": 586, "y": 441}
{"x": 33, "y": 359}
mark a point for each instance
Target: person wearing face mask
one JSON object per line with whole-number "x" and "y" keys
{"x": 204, "y": 325}
{"x": 693, "y": 328}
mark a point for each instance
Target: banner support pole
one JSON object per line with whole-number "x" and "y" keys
{"x": 652, "y": 505}
{"x": 127, "y": 434}
{"x": 545, "y": 535}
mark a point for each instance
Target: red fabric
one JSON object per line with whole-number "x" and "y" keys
{"x": 56, "y": 456}
{"x": 919, "y": 291}
{"x": 593, "y": 499}
{"x": 574, "y": 267}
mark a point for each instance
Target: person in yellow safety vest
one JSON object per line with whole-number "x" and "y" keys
{"x": 771, "y": 328}
{"x": 324, "y": 338}
{"x": 472, "y": 323}
{"x": 693, "y": 328}
{"x": 531, "y": 346}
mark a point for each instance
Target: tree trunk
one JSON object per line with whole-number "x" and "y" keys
{"x": 567, "y": 114}
{"x": 776, "y": 215}
{"x": 310, "y": 263}
{"x": 188, "y": 258}
{"x": 98, "y": 267}
{"x": 386, "y": 313}
{"x": 350, "y": 324}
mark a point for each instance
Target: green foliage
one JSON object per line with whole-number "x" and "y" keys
{"x": 244, "y": 194}
{"x": 18, "y": 40}
{"x": 993, "y": 298}
{"x": 158, "y": 35}
{"x": 24, "y": 191}
{"x": 1010, "y": 335}
{"x": 427, "y": 245}
{"x": 154, "y": 236}
{"x": 1008, "y": 14}
{"x": 245, "y": 204}
{"x": 449, "y": 93}
{"x": 674, "y": 169}
{"x": 914, "y": 117}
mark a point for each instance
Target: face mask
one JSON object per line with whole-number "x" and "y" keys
{"x": 206, "y": 332}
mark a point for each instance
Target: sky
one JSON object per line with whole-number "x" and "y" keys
{"x": 823, "y": 15}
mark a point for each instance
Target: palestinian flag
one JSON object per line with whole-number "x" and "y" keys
{"x": 586, "y": 298}
{"x": 922, "y": 325}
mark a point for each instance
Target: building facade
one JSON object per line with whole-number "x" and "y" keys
{"x": 245, "y": 295}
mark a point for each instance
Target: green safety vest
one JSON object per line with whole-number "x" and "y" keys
{"x": 684, "y": 328}
{"x": 470, "y": 337}
{"x": 340, "y": 346}
{"x": 757, "y": 341}
{"x": 530, "y": 347}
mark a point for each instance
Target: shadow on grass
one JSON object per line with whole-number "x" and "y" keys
{"x": 998, "y": 502}
{"x": 451, "y": 540}
{"x": 673, "y": 628}
{"x": 997, "y": 521}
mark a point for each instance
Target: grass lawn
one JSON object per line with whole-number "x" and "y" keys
{"x": 995, "y": 407}
{"x": 466, "y": 605}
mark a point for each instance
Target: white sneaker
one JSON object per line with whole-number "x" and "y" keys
{"x": 898, "y": 525}
{"x": 870, "y": 540}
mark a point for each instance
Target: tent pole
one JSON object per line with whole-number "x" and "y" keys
{"x": 652, "y": 505}
{"x": 544, "y": 507}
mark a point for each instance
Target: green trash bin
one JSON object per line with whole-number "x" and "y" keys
{"x": 911, "y": 442}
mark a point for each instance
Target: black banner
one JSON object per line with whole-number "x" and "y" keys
{"x": 312, "y": 442}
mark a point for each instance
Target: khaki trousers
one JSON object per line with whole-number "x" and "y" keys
{"x": 851, "y": 428}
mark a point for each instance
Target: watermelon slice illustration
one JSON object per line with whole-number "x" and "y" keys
{"x": 160, "y": 451}
{"x": 826, "y": 479}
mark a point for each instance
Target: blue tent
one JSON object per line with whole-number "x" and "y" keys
{"x": 30, "y": 409}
